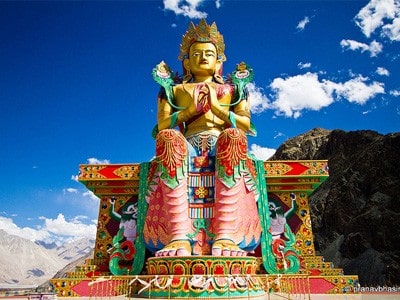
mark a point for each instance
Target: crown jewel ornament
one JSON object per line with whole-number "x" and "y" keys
{"x": 202, "y": 33}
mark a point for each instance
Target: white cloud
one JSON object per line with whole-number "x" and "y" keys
{"x": 261, "y": 153}
{"x": 374, "y": 48}
{"x": 77, "y": 219}
{"x": 302, "y": 24}
{"x": 91, "y": 195}
{"x": 71, "y": 190}
{"x": 8, "y": 225}
{"x": 383, "y": 15}
{"x": 302, "y": 65}
{"x": 258, "y": 101}
{"x": 382, "y": 71}
{"x": 57, "y": 230}
{"x": 278, "y": 134}
{"x": 356, "y": 90}
{"x": 394, "y": 93}
{"x": 95, "y": 161}
{"x": 72, "y": 228}
{"x": 392, "y": 31}
{"x": 294, "y": 94}
{"x": 187, "y": 8}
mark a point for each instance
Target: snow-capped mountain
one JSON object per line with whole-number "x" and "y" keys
{"x": 23, "y": 262}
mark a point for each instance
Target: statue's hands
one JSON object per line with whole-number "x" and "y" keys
{"x": 192, "y": 109}
{"x": 204, "y": 99}
{"x": 293, "y": 198}
{"x": 294, "y": 203}
{"x": 213, "y": 99}
{"x": 215, "y": 105}
{"x": 201, "y": 97}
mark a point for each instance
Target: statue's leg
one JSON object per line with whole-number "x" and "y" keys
{"x": 171, "y": 152}
{"x": 226, "y": 219}
{"x": 179, "y": 223}
{"x": 231, "y": 153}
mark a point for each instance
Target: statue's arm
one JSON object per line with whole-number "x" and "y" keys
{"x": 167, "y": 117}
{"x": 164, "y": 112}
{"x": 241, "y": 113}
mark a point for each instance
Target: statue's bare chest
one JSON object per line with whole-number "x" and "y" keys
{"x": 183, "y": 93}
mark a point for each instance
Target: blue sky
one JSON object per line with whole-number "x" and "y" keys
{"x": 76, "y": 87}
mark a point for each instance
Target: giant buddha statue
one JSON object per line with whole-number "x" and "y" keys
{"x": 202, "y": 192}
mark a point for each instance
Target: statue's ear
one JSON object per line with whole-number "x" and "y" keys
{"x": 186, "y": 65}
{"x": 218, "y": 68}
{"x": 187, "y": 76}
{"x": 218, "y": 72}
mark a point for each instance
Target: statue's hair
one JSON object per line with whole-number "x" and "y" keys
{"x": 202, "y": 33}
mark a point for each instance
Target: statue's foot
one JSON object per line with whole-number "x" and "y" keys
{"x": 176, "y": 248}
{"x": 225, "y": 247}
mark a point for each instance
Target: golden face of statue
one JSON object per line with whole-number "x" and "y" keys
{"x": 202, "y": 59}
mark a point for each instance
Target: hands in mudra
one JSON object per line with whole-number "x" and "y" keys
{"x": 204, "y": 99}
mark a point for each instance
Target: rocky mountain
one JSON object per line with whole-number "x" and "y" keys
{"x": 23, "y": 262}
{"x": 70, "y": 267}
{"x": 70, "y": 252}
{"x": 356, "y": 211}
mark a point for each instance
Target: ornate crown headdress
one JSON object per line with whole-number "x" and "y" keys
{"x": 202, "y": 33}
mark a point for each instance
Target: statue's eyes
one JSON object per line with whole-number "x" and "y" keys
{"x": 208, "y": 54}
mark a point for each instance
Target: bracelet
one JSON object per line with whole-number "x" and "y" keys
{"x": 223, "y": 116}
{"x": 183, "y": 116}
{"x": 174, "y": 119}
{"x": 232, "y": 119}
